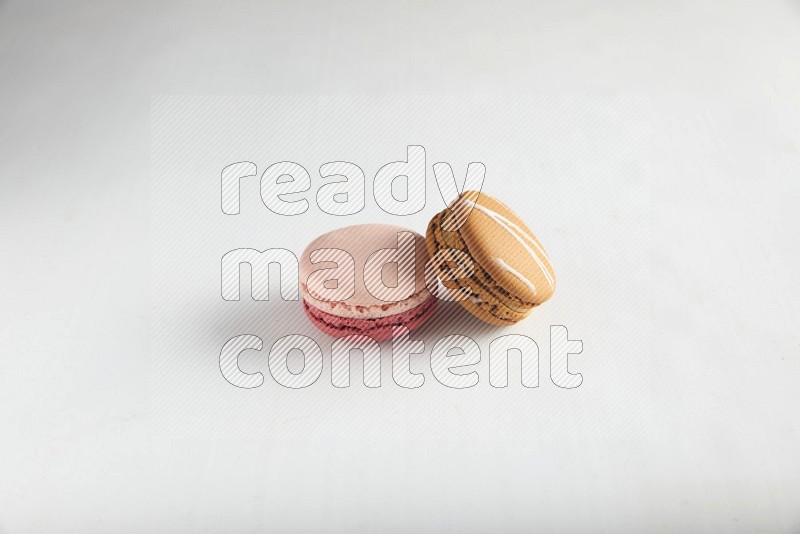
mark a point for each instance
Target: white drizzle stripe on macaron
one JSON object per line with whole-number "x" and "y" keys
{"x": 517, "y": 233}
{"x": 506, "y": 267}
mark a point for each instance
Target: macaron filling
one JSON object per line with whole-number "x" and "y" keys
{"x": 345, "y": 309}
{"x": 378, "y": 328}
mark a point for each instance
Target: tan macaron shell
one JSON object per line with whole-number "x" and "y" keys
{"x": 483, "y": 303}
{"x": 513, "y": 273}
{"x": 507, "y": 249}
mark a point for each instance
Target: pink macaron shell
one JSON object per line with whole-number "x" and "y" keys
{"x": 361, "y": 242}
{"x": 378, "y": 328}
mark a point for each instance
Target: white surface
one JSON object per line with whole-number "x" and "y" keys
{"x": 690, "y": 423}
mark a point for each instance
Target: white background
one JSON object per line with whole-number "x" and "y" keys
{"x": 663, "y": 148}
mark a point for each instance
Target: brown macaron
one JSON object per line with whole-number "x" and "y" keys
{"x": 511, "y": 272}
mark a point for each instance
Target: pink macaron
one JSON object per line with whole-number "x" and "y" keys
{"x": 366, "y": 279}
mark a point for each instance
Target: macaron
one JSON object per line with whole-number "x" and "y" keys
{"x": 511, "y": 272}
{"x": 366, "y": 279}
